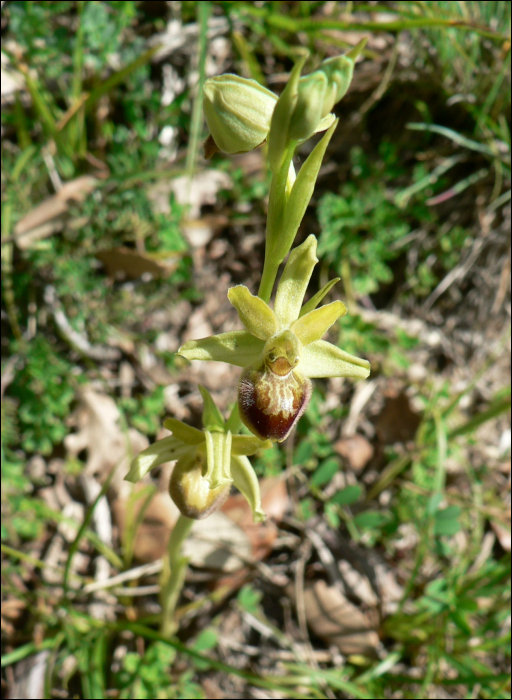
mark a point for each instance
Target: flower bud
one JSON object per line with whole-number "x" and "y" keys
{"x": 272, "y": 395}
{"x": 191, "y": 491}
{"x": 238, "y": 112}
{"x": 308, "y": 110}
{"x": 338, "y": 72}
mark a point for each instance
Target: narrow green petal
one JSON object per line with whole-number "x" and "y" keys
{"x": 255, "y": 314}
{"x": 183, "y": 432}
{"x": 322, "y": 359}
{"x": 294, "y": 282}
{"x": 315, "y": 300}
{"x": 247, "y": 483}
{"x": 218, "y": 459}
{"x": 277, "y": 138}
{"x": 314, "y": 325}
{"x": 212, "y": 417}
{"x": 238, "y": 348}
{"x": 248, "y": 445}
{"x": 165, "y": 450}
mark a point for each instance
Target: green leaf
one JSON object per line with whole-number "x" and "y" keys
{"x": 446, "y": 521}
{"x": 370, "y": 520}
{"x": 249, "y": 598}
{"x": 348, "y": 495}
{"x": 325, "y": 472}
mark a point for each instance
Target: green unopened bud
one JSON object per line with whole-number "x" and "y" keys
{"x": 309, "y": 107}
{"x": 191, "y": 491}
{"x": 339, "y": 71}
{"x": 238, "y": 112}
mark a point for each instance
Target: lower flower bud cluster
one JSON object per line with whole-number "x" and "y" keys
{"x": 208, "y": 463}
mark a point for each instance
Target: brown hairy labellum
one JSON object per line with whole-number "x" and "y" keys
{"x": 272, "y": 398}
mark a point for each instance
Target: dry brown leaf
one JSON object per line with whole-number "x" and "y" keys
{"x": 199, "y": 232}
{"x": 100, "y": 433}
{"x": 47, "y": 217}
{"x": 153, "y": 533}
{"x": 397, "y": 422}
{"x": 502, "y": 532}
{"x": 12, "y": 609}
{"x": 122, "y": 263}
{"x": 201, "y": 190}
{"x": 217, "y": 543}
{"x": 11, "y": 79}
{"x": 275, "y": 503}
{"x": 337, "y": 621}
{"x": 356, "y": 450}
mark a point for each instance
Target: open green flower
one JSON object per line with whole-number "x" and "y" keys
{"x": 281, "y": 349}
{"x": 208, "y": 462}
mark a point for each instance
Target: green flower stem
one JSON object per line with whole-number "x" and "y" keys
{"x": 173, "y": 575}
{"x": 347, "y": 284}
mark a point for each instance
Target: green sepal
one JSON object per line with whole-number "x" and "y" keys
{"x": 317, "y": 298}
{"x": 316, "y": 323}
{"x": 294, "y": 281}
{"x": 323, "y": 359}
{"x": 166, "y": 450}
{"x": 238, "y": 348}
{"x": 247, "y": 483}
{"x": 245, "y": 445}
{"x": 355, "y": 52}
{"x": 183, "y": 432}
{"x": 255, "y": 314}
{"x": 212, "y": 417}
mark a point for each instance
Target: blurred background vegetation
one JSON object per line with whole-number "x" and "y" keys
{"x": 119, "y": 241}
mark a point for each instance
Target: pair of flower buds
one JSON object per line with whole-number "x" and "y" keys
{"x": 281, "y": 349}
{"x": 239, "y": 112}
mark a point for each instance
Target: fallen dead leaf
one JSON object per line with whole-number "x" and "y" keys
{"x": 275, "y": 503}
{"x": 201, "y": 190}
{"x": 153, "y": 533}
{"x": 48, "y": 217}
{"x": 12, "y": 609}
{"x": 502, "y": 532}
{"x": 356, "y": 450}
{"x": 337, "y": 621}
{"x": 11, "y": 79}
{"x": 100, "y": 433}
{"x": 397, "y": 422}
{"x": 223, "y": 541}
{"x": 199, "y": 232}
{"x": 122, "y": 263}
{"x": 217, "y": 543}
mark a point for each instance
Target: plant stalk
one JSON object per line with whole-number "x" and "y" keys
{"x": 173, "y": 575}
